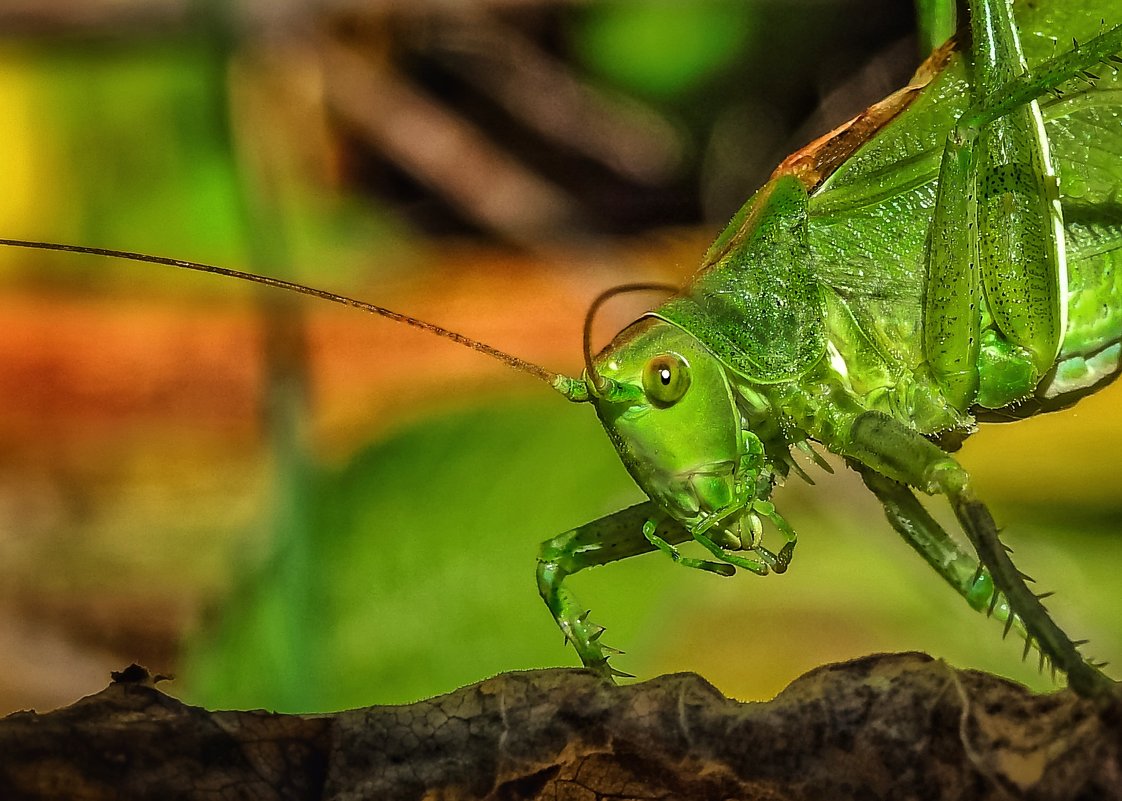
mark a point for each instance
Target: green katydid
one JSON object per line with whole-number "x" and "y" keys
{"x": 999, "y": 286}
{"x": 949, "y": 256}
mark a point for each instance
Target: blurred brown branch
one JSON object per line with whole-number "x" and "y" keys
{"x": 885, "y": 726}
{"x": 444, "y": 151}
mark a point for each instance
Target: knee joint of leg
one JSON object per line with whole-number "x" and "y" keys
{"x": 949, "y": 478}
{"x": 1006, "y": 372}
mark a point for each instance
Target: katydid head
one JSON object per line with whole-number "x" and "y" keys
{"x": 673, "y": 418}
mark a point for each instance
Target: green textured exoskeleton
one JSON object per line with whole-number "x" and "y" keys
{"x": 951, "y": 255}
{"x": 920, "y": 268}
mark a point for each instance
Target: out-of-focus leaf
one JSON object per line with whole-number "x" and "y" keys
{"x": 662, "y": 49}
{"x": 420, "y": 572}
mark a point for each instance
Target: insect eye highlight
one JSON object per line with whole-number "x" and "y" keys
{"x": 666, "y": 379}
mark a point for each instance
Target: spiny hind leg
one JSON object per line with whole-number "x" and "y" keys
{"x": 1083, "y": 677}
{"x": 996, "y": 231}
{"x": 996, "y": 240}
{"x": 609, "y": 539}
{"x": 1022, "y": 249}
{"x": 891, "y": 449}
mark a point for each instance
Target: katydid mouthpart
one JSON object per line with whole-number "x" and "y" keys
{"x": 924, "y": 267}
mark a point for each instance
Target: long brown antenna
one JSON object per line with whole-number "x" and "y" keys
{"x": 571, "y": 388}
{"x": 602, "y": 386}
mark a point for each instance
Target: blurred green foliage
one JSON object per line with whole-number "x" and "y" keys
{"x": 128, "y": 142}
{"x": 662, "y": 50}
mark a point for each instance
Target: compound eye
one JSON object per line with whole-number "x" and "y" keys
{"x": 666, "y": 379}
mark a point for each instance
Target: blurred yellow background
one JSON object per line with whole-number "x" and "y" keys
{"x": 293, "y": 506}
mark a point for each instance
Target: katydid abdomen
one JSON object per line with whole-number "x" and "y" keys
{"x": 1091, "y": 353}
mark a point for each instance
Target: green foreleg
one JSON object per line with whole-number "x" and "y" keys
{"x": 758, "y": 566}
{"x": 650, "y": 531}
{"x": 609, "y": 539}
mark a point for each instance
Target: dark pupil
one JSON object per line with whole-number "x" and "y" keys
{"x": 664, "y": 376}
